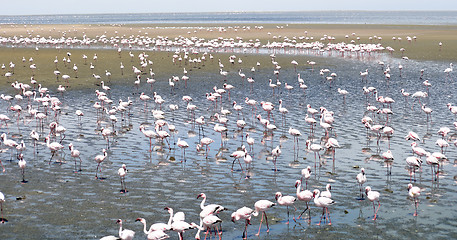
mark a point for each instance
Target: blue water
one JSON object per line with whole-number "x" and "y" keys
{"x": 335, "y": 17}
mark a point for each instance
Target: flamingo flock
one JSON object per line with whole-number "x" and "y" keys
{"x": 237, "y": 123}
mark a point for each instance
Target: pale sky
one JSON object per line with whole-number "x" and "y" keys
{"x": 34, "y": 7}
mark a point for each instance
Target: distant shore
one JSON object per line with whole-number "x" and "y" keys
{"x": 424, "y": 46}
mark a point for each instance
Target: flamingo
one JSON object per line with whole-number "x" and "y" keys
{"x": 211, "y": 209}
{"x": 99, "y": 159}
{"x": 412, "y": 136}
{"x": 414, "y": 192}
{"x": 344, "y": 93}
{"x": 327, "y": 192}
{"x": 237, "y": 155}
{"x": 316, "y": 148}
{"x": 161, "y": 226}
{"x": 180, "y": 227}
{"x": 433, "y": 162}
{"x": 206, "y": 141}
{"x": 54, "y": 147}
{"x": 282, "y": 110}
{"x": 388, "y": 158}
{"x": 306, "y": 174}
{"x": 22, "y": 164}
{"x": 261, "y": 207}
{"x": 418, "y": 150}
{"x": 305, "y": 196}
{"x": 122, "y": 172}
{"x": 373, "y": 196}
{"x": 183, "y": 145}
{"x": 2, "y": 200}
{"x": 413, "y": 163}
{"x": 125, "y": 234}
{"x": 323, "y": 202}
{"x": 211, "y": 221}
{"x": 243, "y": 213}
{"x": 428, "y": 111}
{"x": 286, "y": 201}
{"x": 331, "y": 144}
{"x": 250, "y": 141}
{"x": 275, "y": 153}
{"x": 361, "y": 179}
{"x": 149, "y": 134}
{"x": 75, "y": 154}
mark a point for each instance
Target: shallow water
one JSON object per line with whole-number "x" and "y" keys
{"x": 56, "y": 203}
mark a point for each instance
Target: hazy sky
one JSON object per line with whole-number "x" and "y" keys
{"x": 30, "y": 7}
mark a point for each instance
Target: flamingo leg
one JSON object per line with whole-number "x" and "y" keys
{"x": 207, "y": 231}
{"x": 261, "y": 220}
{"x": 266, "y": 220}
{"x": 288, "y": 215}
{"x": 299, "y": 216}
{"x": 323, "y": 212}
{"x": 245, "y": 229}
{"x": 1, "y": 210}
{"x": 96, "y": 171}
{"x": 376, "y": 213}
{"x": 53, "y": 152}
{"x": 328, "y": 214}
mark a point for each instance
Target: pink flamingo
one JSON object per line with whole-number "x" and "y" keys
{"x": 305, "y": 196}
{"x": 261, "y": 207}
{"x": 243, "y": 213}
{"x": 322, "y": 202}
{"x": 286, "y": 201}
{"x": 99, "y": 159}
{"x": 373, "y": 196}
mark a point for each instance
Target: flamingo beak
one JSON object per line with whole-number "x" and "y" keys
{"x": 138, "y": 219}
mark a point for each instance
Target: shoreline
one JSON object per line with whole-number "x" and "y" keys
{"x": 425, "y": 48}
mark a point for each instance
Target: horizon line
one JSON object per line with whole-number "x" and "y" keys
{"x": 206, "y": 12}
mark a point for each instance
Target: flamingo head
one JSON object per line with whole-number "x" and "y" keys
{"x": 409, "y": 186}
{"x": 363, "y": 171}
{"x": 119, "y": 221}
{"x": 170, "y": 210}
{"x": 235, "y": 217}
{"x": 367, "y": 189}
{"x": 297, "y": 183}
{"x": 202, "y": 195}
{"x": 278, "y": 195}
{"x": 142, "y": 220}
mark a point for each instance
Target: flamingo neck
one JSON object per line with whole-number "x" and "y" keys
{"x": 120, "y": 229}
{"x": 202, "y": 204}
{"x": 144, "y": 227}
{"x": 171, "y": 218}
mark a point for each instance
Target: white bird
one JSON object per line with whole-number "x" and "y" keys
{"x": 122, "y": 172}
{"x": 125, "y": 234}
{"x": 361, "y": 179}
{"x": 99, "y": 159}
{"x": 22, "y": 164}
{"x": 323, "y": 202}
{"x": 2, "y": 200}
{"x": 261, "y": 207}
{"x": 286, "y": 201}
{"x": 373, "y": 196}
{"x": 243, "y": 213}
{"x": 305, "y": 196}
{"x": 414, "y": 192}
{"x": 275, "y": 154}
